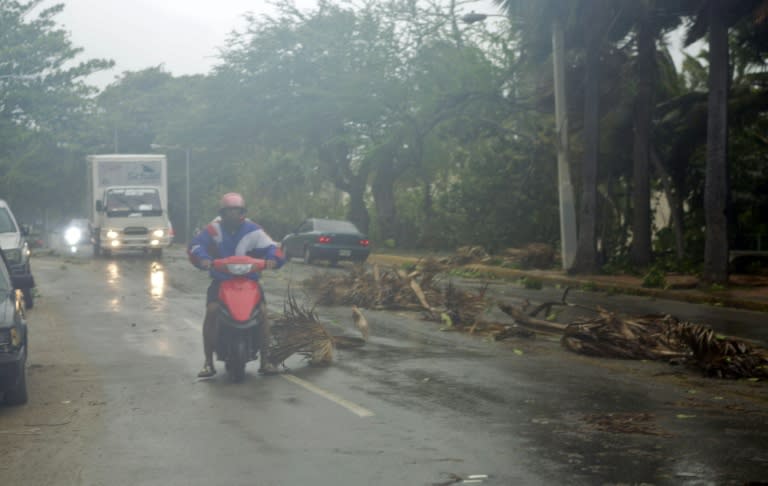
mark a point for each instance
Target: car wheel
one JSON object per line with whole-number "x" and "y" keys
{"x": 18, "y": 394}
{"x": 156, "y": 253}
{"x": 29, "y": 299}
{"x": 287, "y": 255}
{"x": 308, "y": 255}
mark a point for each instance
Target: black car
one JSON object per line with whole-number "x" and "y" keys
{"x": 13, "y": 340}
{"x": 327, "y": 239}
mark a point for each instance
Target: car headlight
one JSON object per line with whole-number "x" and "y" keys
{"x": 112, "y": 234}
{"x": 15, "y": 337}
{"x": 72, "y": 235}
{"x": 158, "y": 233}
{"x": 13, "y": 255}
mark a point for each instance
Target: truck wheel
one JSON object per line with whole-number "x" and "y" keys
{"x": 18, "y": 394}
{"x": 29, "y": 299}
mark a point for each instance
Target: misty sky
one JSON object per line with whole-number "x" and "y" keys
{"x": 183, "y": 35}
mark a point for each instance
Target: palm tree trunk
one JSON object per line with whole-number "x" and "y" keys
{"x": 716, "y": 176}
{"x": 586, "y": 250}
{"x": 641, "y": 193}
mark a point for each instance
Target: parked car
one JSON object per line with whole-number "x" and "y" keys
{"x": 13, "y": 340}
{"x": 326, "y": 239}
{"x": 13, "y": 241}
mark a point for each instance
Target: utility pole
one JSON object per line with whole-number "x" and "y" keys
{"x": 567, "y": 206}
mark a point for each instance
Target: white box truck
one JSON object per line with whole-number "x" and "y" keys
{"x": 128, "y": 199}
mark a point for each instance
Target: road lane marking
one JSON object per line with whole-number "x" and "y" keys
{"x": 352, "y": 407}
{"x": 192, "y": 324}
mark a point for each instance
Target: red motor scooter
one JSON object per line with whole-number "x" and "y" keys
{"x": 241, "y": 313}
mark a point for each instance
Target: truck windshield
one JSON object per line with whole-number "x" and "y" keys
{"x": 132, "y": 202}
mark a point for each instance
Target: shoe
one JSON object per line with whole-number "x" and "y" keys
{"x": 207, "y": 372}
{"x": 268, "y": 370}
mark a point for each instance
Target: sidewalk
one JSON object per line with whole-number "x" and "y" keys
{"x": 745, "y": 292}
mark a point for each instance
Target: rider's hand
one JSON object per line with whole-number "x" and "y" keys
{"x": 205, "y": 264}
{"x": 270, "y": 264}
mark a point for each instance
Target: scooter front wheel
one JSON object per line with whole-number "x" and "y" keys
{"x": 236, "y": 364}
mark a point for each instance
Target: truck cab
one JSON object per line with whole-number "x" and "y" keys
{"x": 133, "y": 219}
{"x": 128, "y": 200}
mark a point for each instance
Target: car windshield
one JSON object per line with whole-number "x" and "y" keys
{"x": 129, "y": 202}
{"x": 6, "y": 223}
{"x": 335, "y": 226}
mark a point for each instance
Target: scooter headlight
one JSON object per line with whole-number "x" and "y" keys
{"x": 239, "y": 268}
{"x": 72, "y": 235}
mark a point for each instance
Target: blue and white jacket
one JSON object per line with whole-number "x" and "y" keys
{"x": 249, "y": 239}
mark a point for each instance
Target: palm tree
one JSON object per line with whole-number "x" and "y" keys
{"x": 714, "y": 18}
{"x": 590, "y": 20}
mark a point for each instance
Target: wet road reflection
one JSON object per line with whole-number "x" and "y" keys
{"x": 157, "y": 281}
{"x": 113, "y": 274}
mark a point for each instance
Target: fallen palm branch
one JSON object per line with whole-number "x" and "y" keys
{"x": 652, "y": 337}
{"x": 299, "y": 331}
{"x": 665, "y": 337}
{"x": 610, "y": 336}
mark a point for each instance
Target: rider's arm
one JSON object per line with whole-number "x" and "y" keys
{"x": 198, "y": 250}
{"x": 258, "y": 244}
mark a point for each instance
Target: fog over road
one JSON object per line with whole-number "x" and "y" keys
{"x": 115, "y": 345}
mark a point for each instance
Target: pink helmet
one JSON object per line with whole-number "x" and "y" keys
{"x": 232, "y": 200}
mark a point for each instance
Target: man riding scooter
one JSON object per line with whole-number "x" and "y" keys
{"x": 231, "y": 234}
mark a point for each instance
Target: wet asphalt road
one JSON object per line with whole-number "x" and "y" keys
{"x": 415, "y": 406}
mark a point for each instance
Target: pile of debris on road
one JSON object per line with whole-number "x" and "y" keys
{"x": 652, "y": 337}
{"x": 390, "y": 288}
{"x": 534, "y": 255}
{"x": 606, "y": 335}
{"x": 379, "y": 288}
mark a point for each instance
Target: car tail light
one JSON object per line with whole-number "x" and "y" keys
{"x": 324, "y": 239}
{"x": 364, "y": 242}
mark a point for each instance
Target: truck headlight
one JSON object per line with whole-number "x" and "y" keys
{"x": 13, "y": 255}
{"x": 158, "y": 233}
{"x": 112, "y": 234}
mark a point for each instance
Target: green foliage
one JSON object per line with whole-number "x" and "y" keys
{"x": 655, "y": 278}
{"x": 532, "y": 283}
{"x": 589, "y": 286}
{"x": 44, "y": 103}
